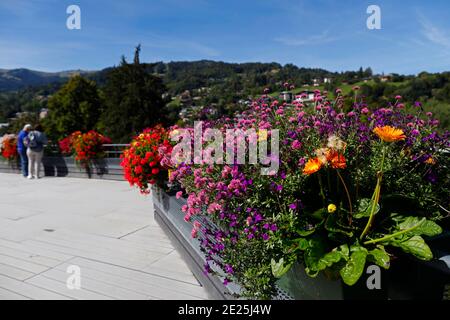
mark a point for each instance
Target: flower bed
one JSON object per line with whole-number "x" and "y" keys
{"x": 8, "y": 147}
{"x": 85, "y": 147}
{"x": 351, "y": 187}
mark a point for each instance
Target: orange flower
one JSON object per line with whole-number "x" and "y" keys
{"x": 430, "y": 160}
{"x": 312, "y": 166}
{"x": 337, "y": 160}
{"x": 389, "y": 134}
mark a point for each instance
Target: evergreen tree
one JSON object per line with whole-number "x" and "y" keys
{"x": 133, "y": 99}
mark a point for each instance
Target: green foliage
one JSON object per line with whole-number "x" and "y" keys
{"x": 354, "y": 267}
{"x": 76, "y": 106}
{"x": 133, "y": 100}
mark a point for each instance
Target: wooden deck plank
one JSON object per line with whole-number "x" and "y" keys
{"x": 61, "y": 288}
{"x": 150, "y": 285}
{"x": 9, "y": 295}
{"x": 160, "y": 281}
{"x": 22, "y": 264}
{"x": 29, "y": 290}
{"x": 14, "y": 272}
{"x": 92, "y": 284}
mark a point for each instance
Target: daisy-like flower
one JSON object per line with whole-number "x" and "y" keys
{"x": 336, "y": 160}
{"x": 389, "y": 134}
{"x": 335, "y": 143}
{"x": 312, "y": 166}
{"x": 322, "y": 155}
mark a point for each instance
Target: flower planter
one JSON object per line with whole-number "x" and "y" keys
{"x": 407, "y": 278}
{"x": 57, "y": 166}
{"x": 168, "y": 214}
{"x": 170, "y": 217}
{"x": 9, "y": 166}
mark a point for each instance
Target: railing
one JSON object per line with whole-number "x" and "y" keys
{"x": 114, "y": 150}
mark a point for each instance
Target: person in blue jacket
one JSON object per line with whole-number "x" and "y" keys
{"x": 22, "y": 149}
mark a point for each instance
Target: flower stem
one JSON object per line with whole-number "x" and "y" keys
{"x": 375, "y": 197}
{"x": 348, "y": 195}
{"x": 394, "y": 234}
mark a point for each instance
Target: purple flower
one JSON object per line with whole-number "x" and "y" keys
{"x": 265, "y": 236}
{"x": 293, "y": 206}
{"x": 229, "y": 269}
{"x": 258, "y": 218}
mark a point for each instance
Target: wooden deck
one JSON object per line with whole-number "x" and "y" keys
{"x": 103, "y": 227}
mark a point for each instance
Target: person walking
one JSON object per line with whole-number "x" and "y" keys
{"x": 22, "y": 149}
{"x": 35, "y": 142}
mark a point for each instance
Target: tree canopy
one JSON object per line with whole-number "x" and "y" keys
{"x": 76, "y": 106}
{"x": 133, "y": 99}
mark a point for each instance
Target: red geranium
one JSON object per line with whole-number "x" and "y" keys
{"x": 8, "y": 147}
{"x": 84, "y": 146}
{"x": 142, "y": 160}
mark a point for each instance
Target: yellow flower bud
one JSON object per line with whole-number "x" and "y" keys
{"x": 331, "y": 208}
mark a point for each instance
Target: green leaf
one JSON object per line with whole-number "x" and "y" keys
{"x": 380, "y": 257}
{"x": 364, "y": 208}
{"x": 305, "y": 233}
{"x": 354, "y": 267}
{"x": 422, "y": 226}
{"x": 320, "y": 214}
{"x": 280, "y": 268}
{"x": 416, "y": 246}
{"x": 317, "y": 260}
{"x": 332, "y": 225}
{"x": 302, "y": 244}
{"x": 313, "y": 253}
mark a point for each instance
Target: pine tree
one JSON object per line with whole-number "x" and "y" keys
{"x": 133, "y": 99}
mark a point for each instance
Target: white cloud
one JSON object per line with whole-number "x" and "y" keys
{"x": 433, "y": 33}
{"x": 309, "y": 40}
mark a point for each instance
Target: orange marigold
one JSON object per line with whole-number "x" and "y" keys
{"x": 389, "y": 134}
{"x": 337, "y": 160}
{"x": 312, "y": 166}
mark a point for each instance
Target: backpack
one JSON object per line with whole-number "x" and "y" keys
{"x": 31, "y": 140}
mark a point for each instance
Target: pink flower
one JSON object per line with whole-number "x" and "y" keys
{"x": 364, "y": 110}
{"x": 213, "y": 207}
{"x": 398, "y": 97}
{"x": 194, "y": 233}
{"x": 296, "y": 145}
{"x": 179, "y": 194}
{"x": 197, "y": 225}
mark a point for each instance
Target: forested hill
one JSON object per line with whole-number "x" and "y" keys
{"x": 178, "y": 76}
{"x": 15, "y": 79}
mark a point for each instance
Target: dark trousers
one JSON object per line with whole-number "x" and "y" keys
{"x": 23, "y": 162}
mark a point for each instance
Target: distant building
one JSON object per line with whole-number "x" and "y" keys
{"x": 316, "y": 82}
{"x": 43, "y": 113}
{"x": 286, "y": 96}
{"x": 326, "y": 80}
{"x": 385, "y": 78}
{"x": 306, "y": 96}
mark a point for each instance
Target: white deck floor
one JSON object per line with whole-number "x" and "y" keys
{"x": 103, "y": 227}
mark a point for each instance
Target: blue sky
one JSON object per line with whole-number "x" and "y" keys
{"x": 329, "y": 34}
